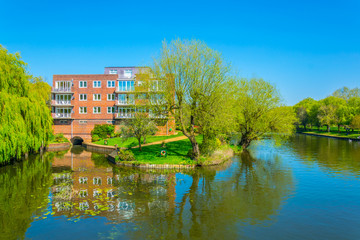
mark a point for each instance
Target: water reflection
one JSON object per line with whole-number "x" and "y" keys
{"x": 332, "y": 155}
{"x": 24, "y": 190}
{"x": 77, "y": 185}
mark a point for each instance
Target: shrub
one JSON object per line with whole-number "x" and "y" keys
{"x": 60, "y": 138}
{"x": 95, "y": 138}
{"x": 125, "y": 155}
{"x": 103, "y": 130}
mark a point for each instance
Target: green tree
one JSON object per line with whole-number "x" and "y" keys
{"x": 259, "y": 111}
{"x": 25, "y": 119}
{"x": 192, "y": 79}
{"x": 303, "y": 109}
{"x": 346, "y": 93}
{"x": 329, "y": 113}
{"x": 139, "y": 127}
{"x": 355, "y": 123}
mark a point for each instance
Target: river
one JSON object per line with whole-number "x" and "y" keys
{"x": 308, "y": 188}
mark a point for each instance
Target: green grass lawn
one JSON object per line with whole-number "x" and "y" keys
{"x": 177, "y": 153}
{"x": 132, "y": 142}
{"x": 333, "y": 132}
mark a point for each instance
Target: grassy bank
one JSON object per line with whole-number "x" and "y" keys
{"x": 333, "y": 132}
{"x": 132, "y": 142}
{"x": 176, "y": 153}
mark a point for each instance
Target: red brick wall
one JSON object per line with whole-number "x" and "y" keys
{"x": 83, "y": 130}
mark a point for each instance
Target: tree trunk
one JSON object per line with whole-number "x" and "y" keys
{"x": 338, "y": 128}
{"x": 144, "y": 142}
{"x": 304, "y": 127}
{"x": 139, "y": 140}
{"x": 195, "y": 148}
{"x": 328, "y": 128}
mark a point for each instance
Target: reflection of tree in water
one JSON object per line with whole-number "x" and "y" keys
{"x": 24, "y": 188}
{"x": 339, "y": 156}
{"x": 212, "y": 208}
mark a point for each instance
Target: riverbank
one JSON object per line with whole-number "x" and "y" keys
{"x": 331, "y": 135}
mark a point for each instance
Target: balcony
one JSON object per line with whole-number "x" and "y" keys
{"x": 61, "y": 115}
{"x": 61, "y": 103}
{"x": 61, "y": 90}
{"x": 120, "y": 103}
{"x": 124, "y": 115}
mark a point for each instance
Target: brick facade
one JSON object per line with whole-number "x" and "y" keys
{"x": 66, "y": 102}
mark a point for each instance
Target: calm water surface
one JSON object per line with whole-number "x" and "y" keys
{"x": 308, "y": 188}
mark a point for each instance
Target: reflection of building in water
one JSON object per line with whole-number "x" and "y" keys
{"x": 83, "y": 189}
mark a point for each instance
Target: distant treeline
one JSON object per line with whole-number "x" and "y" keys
{"x": 341, "y": 109}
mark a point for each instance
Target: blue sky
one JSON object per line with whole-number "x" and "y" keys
{"x": 306, "y": 48}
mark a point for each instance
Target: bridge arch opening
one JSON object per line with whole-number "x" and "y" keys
{"x": 77, "y": 140}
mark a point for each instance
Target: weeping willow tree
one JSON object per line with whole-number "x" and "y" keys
{"x": 25, "y": 118}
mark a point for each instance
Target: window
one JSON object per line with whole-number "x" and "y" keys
{"x": 83, "y": 84}
{"x": 126, "y": 86}
{"x": 112, "y": 71}
{"x": 110, "y": 122}
{"x": 83, "y": 193}
{"x": 111, "y": 97}
{"x": 83, "y": 206}
{"x": 83, "y": 110}
{"x": 97, "y": 180}
{"x": 63, "y": 121}
{"x": 96, "y": 192}
{"x": 110, "y": 84}
{"x": 83, "y": 122}
{"x": 97, "y": 97}
{"x": 127, "y": 73}
{"x": 111, "y": 110}
{"x": 96, "y": 84}
{"x": 109, "y": 180}
{"x": 97, "y": 110}
{"x": 83, "y": 180}
{"x": 83, "y": 97}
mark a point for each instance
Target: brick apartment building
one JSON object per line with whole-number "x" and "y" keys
{"x": 81, "y": 101}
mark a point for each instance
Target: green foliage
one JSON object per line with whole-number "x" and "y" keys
{"x": 355, "y": 123}
{"x": 195, "y": 83}
{"x": 346, "y": 93}
{"x": 95, "y": 138}
{"x": 139, "y": 127}
{"x": 103, "y": 130}
{"x": 259, "y": 111}
{"x": 58, "y": 138}
{"x": 25, "y": 119}
{"x": 125, "y": 155}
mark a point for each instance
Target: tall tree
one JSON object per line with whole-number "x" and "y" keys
{"x": 25, "y": 119}
{"x": 329, "y": 113}
{"x": 346, "y": 93}
{"x": 259, "y": 111}
{"x": 303, "y": 109}
{"x": 192, "y": 75}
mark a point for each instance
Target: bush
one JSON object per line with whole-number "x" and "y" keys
{"x": 125, "y": 155}
{"x": 95, "y": 138}
{"x": 58, "y": 138}
{"x": 103, "y": 130}
{"x": 208, "y": 146}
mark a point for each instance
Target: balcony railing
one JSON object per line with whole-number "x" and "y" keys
{"x": 61, "y": 115}
{"x": 60, "y": 102}
{"x": 125, "y": 115}
{"x": 65, "y": 90}
{"x": 125, "y": 102}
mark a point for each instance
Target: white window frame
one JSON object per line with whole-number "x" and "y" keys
{"x": 112, "y": 110}
{"x": 83, "y": 84}
{"x": 83, "y": 95}
{"x": 99, "y": 86}
{"x": 96, "y": 94}
{"x": 96, "y": 112}
{"x": 111, "y": 85}
{"x": 126, "y": 73}
{"x": 111, "y": 99}
{"x": 82, "y": 122}
{"x": 83, "y": 108}
{"x": 113, "y": 71}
